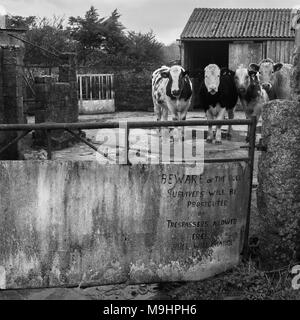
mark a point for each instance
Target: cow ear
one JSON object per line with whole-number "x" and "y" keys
{"x": 252, "y": 72}
{"x": 254, "y": 66}
{"x": 200, "y": 75}
{"x": 165, "y": 74}
{"x": 278, "y": 66}
{"x": 185, "y": 73}
{"x": 231, "y": 73}
{"x": 223, "y": 71}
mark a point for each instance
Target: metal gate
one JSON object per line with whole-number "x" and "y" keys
{"x": 96, "y": 93}
{"x": 237, "y": 211}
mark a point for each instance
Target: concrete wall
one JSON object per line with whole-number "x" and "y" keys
{"x": 81, "y": 222}
{"x": 96, "y": 106}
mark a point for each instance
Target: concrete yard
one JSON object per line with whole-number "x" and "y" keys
{"x": 139, "y": 137}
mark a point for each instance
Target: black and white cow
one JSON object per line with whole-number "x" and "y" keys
{"x": 171, "y": 91}
{"x": 251, "y": 93}
{"x": 218, "y": 94}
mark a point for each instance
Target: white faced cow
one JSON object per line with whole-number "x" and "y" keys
{"x": 171, "y": 91}
{"x": 218, "y": 95}
{"x": 251, "y": 93}
{"x": 275, "y": 78}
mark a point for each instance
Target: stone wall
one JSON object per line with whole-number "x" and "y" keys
{"x": 132, "y": 86}
{"x": 11, "y": 95}
{"x": 57, "y": 101}
{"x": 133, "y": 91}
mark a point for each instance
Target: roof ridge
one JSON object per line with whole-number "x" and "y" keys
{"x": 243, "y": 9}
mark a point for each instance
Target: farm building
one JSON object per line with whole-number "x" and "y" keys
{"x": 230, "y": 37}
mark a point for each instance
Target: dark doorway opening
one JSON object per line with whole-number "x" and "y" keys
{"x": 199, "y": 54}
{"x": 203, "y": 53}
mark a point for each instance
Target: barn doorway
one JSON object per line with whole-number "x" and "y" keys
{"x": 202, "y": 53}
{"x": 199, "y": 54}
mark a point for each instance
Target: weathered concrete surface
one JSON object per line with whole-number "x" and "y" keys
{"x": 65, "y": 223}
{"x": 96, "y": 106}
{"x": 278, "y": 192}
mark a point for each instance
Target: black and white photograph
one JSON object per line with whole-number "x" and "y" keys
{"x": 149, "y": 151}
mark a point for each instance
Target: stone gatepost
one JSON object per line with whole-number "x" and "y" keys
{"x": 11, "y": 96}
{"x": 57, "y": 101}
{"x": 278, "y": 193}
{"x": 12, "y": 53}
{"x": 67, "y": 73}
{"x": 53, "y": 104}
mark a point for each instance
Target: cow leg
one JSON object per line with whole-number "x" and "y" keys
{"x": 158, "y": 113}
{"x": 230, "y": 117}
{"x": 210, "y": 134}
{"x": 257, "y": 113}
{"x": 165, "y": 113}
{"x": 174, "y": 115}
{"x": 221, "y": 116}
{"x": 182, "y": 117}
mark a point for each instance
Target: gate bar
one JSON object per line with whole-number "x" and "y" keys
{"x": 110, "y": 125}
{"x": 15, "y": 140}
{"x": 88, "y": 143}
{"x": 251, "y": 153}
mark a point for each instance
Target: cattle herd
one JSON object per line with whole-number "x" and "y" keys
{"x": 220, "y": 91}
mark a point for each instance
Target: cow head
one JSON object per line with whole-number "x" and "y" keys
{"x": 266, "y": 72}
{"x": 244, "y": 78}
{"x": 176, "y": 75}
{"x": 212, "y": 78}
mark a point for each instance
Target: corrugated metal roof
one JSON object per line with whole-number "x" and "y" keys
{"x": 206, "y": 23}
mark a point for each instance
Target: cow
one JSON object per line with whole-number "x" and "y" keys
{"x": 171, "y": 91}
{"x": 250, "y": 92}
{"x": 218, "y": 95}
{"x": 275, "y": 78}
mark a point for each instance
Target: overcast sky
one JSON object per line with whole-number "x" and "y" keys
{"x": 166, "y": 18}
